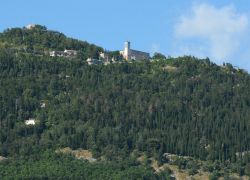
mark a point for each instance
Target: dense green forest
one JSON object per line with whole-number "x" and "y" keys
{"x": 184, "y": 106}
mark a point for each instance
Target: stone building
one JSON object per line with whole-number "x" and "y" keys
{"x": 130, "y": 54}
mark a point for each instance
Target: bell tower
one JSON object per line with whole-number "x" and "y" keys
{"x": 127, "y": 50}
{"x": 127, "y": 45}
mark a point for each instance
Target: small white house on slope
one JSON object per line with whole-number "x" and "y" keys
{"x": 30, "y": 122}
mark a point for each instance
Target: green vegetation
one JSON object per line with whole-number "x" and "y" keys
{"x": 159, "y": 56}
{"x": 183, "y": 106}
{"x": 40, "y": 41}
{"x": 51, "y": 166}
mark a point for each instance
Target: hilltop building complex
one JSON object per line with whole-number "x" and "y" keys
{"x": 127, "y": 54}
{"x": 130, "y": 54}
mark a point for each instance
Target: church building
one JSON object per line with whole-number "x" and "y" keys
{"x": 130, "y": 54}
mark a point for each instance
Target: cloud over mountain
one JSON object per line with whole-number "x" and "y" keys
{"x": 215, "y": 31}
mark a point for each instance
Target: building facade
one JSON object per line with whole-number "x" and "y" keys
{"x": 130, "y": 54}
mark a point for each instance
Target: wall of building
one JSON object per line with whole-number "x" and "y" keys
{"x": 138, "y": 55}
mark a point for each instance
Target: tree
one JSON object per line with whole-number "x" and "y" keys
{"x": 158, "y": 56}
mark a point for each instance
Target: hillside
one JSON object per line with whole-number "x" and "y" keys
{"x": 121, "y": 112}
{"x": 40, "y": 40}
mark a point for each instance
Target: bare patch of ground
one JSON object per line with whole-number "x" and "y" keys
{"x": 169, "y": 68}
{"x": 2, "y": 158}
{"x": 79, "y": 153}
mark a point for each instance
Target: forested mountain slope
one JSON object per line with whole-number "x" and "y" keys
{"x": 184, "y": 106}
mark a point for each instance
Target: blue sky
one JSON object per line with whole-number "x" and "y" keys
{"x": 203, "y": 28}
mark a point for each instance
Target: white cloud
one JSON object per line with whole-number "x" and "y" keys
{"x": 220, "y": 29}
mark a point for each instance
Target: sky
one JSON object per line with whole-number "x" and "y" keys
{"x": 216, "y": 29}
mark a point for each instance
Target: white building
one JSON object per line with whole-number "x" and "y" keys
{"x": 30, "y": 26}
{"x": 130, "y": 54}
{"x": 43, "y": 105}
{"x": 56, "y": 53}
{"x": 30, "y": 122}
{"x": 52, "y": 53}
{"x": 65, "y": 53}
{"x": 70, "y": 53}
{"x": 104, "y": 56}
{"x": 92, "y": 61}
